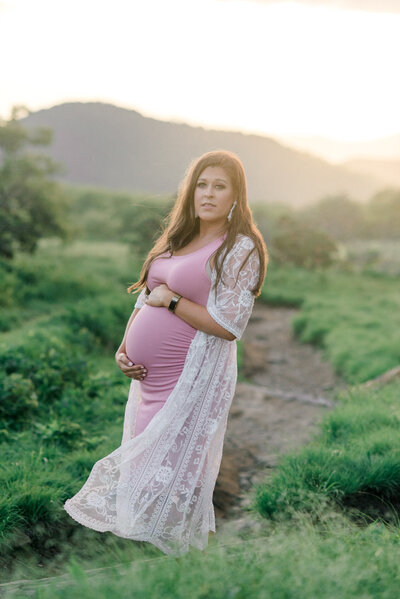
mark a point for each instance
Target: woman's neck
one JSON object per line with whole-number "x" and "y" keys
{"x": 211, "y": 230}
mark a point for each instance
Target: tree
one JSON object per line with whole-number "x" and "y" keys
{"x": 383, "y": 214}
{"x": 141, "y": 222}
{"x": 298, "y": 244}
{"x": 31, "y": 204}
{"x": 337, "y": 216}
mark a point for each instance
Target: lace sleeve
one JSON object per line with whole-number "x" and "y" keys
{"x": 234, "y": 301}
{"x": 140, "y": 300}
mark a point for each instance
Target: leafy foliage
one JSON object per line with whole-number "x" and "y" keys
{"x": 345, "y": 219}
{"x": 30, "y": 202}
{"x": 35, "y": 375}
{"x": 60, "y": 387}
{"x": 67, "y": 434}
{"x": 18, "y": 397}
{"x": 383, "y": 215}
{"x": 299, "y": 244}
{"x": 338, "y": 216}
{"x": 132, "y": 218}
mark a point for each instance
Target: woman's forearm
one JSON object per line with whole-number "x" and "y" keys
{"x": 198, "y": 317}
{"x": 122, "y": 347}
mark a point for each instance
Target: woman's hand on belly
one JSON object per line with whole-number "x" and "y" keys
{"x": 133, "y": 371}
{"x": 160, "y": 296}
{"x": 194, "y": 314}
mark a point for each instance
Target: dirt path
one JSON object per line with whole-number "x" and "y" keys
{"x": 291, "y": 386}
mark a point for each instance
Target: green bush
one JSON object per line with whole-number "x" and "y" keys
{"x": 35, "y": 374}
{"x": 32, "y": 203}
{"x": 97, "y": 323}
{"x": 337, "y": 216}
{"x": 99, "y": 214}
{"x": 383, "y": 215}
{"x": 298, "y": 244}
{"x": 7, "y": 283}
{"x": 67, "y": 434}
{"x": 18, "y": 397}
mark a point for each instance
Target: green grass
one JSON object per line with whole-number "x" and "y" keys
{"x": 58, "y": 275}
{"x": 63, "y": 397}
{"x": 354, "y": 317}
{"x": 353, "y": 461}
{"x": 286, "y": 562}
{"x": 314, "y": 540}
{"x": 46, "y": 462}
{"x": 40, "y": 471}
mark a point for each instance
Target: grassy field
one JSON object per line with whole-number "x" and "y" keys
{"x": 62, "y": 395}
{"x": 62, "y": 407}
{"x": 353, "y": 316}
{"x": 353, "y": 463}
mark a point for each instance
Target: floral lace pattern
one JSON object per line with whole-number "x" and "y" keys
{"x": 140, "y": 300}
{"x": 234, "y": 302}
{"x": 158, "y": 486}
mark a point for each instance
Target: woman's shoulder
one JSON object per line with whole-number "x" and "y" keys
{"x": 239, "y": 251}
{"x": 243, "y": 242}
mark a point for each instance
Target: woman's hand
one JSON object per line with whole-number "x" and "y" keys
{"x": 132, "y": 371}
{"x": 160, "y": 296}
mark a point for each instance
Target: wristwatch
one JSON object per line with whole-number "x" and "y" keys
{"x": 174, "y": 302}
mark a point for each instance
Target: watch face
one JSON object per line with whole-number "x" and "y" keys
{"x": 173, "y": 302}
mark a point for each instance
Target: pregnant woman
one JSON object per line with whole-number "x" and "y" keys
{"x": 198, "y": 286}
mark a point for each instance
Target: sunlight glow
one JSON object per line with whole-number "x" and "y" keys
{"x": 276, "y": 68}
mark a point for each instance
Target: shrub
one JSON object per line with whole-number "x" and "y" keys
{"x": 66, "y": 434}
{"x": 35, "y": 374}
{"x": 96, "y": 323}
{"x": 298, "y": 244}
{"x": 18, "y": 397}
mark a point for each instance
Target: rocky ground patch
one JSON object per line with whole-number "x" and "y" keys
{"x": 290, "y": 387}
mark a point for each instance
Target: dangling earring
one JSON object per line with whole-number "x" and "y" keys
{"x": 229, "y": 217}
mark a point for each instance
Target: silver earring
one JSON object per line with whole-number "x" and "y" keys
{"x": 229, "y": 217}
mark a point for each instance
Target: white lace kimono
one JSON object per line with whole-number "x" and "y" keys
{"x": 158, "y": 486}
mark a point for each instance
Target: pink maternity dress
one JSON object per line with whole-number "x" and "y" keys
{"x": 158, "y": 338}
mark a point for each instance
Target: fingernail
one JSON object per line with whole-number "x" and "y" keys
{"x": 130, "y": 363}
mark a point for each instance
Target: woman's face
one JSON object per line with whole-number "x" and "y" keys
{"x": 213, "y": 195}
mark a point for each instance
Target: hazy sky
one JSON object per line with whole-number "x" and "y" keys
{"x": 365, "y": 5}
{"x": 306, "y": 67}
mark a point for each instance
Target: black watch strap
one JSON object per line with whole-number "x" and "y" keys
{"x": 174, "y": 301}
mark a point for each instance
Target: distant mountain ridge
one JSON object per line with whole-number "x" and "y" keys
{"x": 338, "y": 152}
{"x": 107, "y": 146}
{"x": 387, "y": 171}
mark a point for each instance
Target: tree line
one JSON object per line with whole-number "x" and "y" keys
{"x": 33, "y": 205}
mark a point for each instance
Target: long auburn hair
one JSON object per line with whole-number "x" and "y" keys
{"x": 182, "y": 225}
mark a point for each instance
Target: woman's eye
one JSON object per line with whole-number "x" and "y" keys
{"x": 201, "y": 184}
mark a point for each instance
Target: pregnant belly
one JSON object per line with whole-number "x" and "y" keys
{"x": 159, "y": 340}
